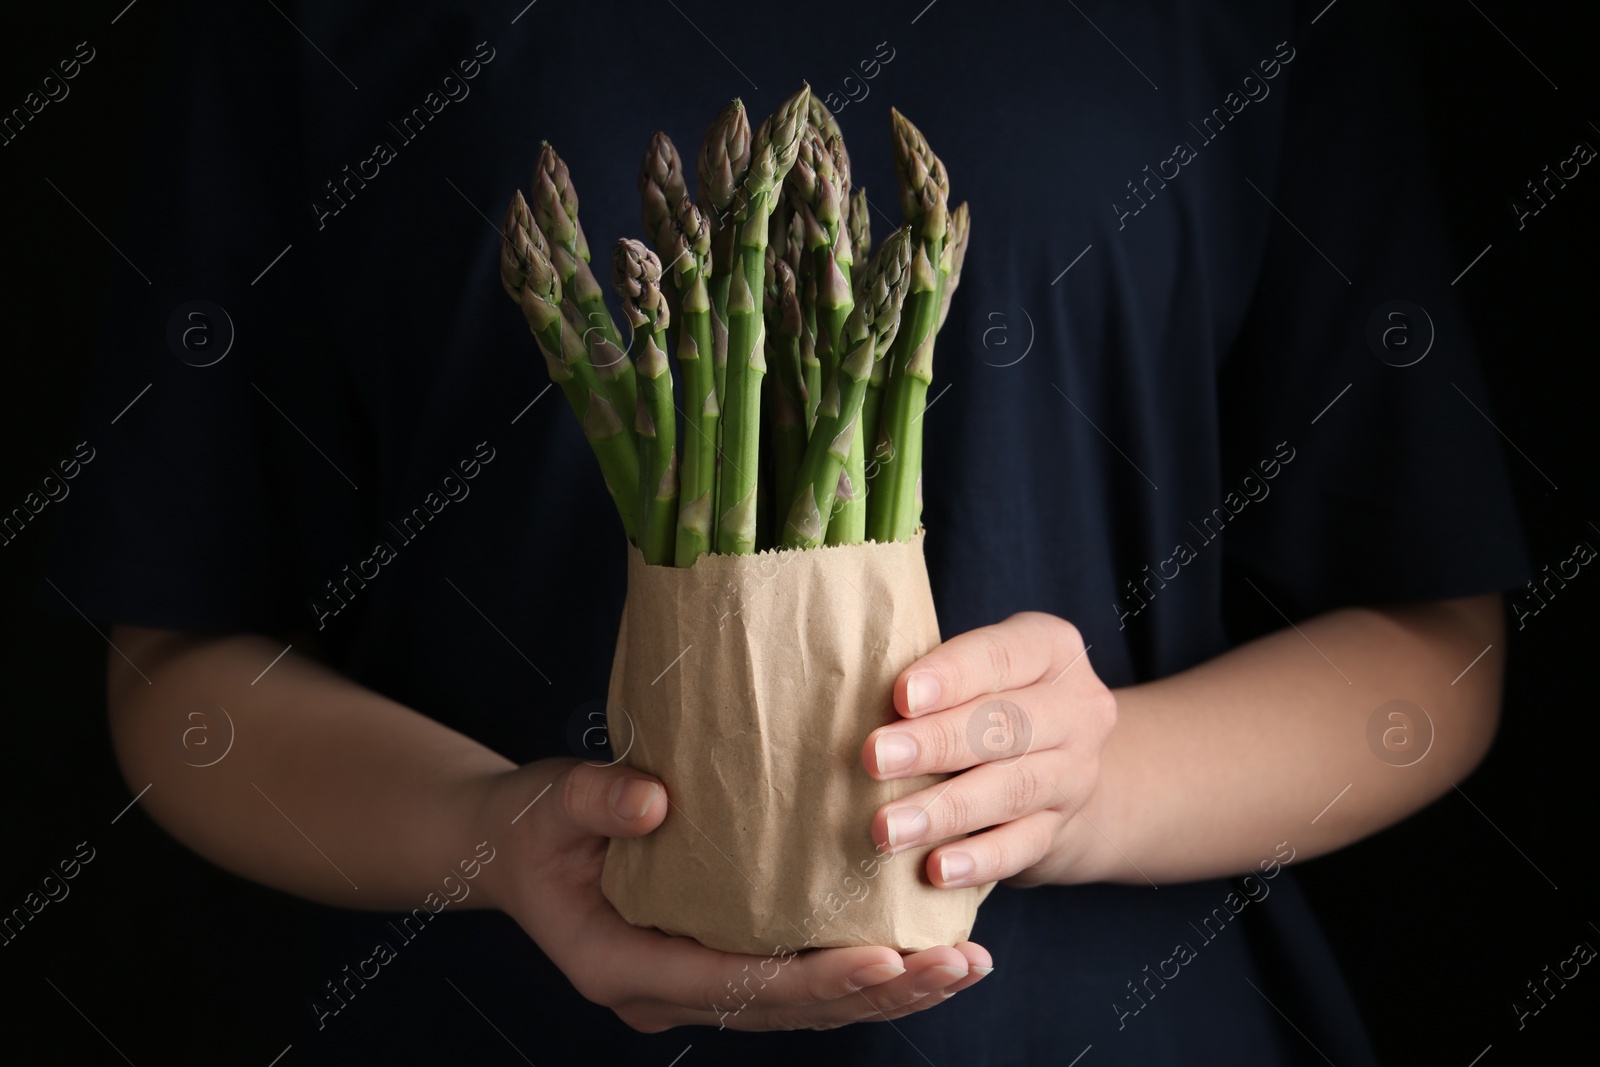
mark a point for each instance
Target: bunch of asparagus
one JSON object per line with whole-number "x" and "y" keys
{"x": 792, "y": 360}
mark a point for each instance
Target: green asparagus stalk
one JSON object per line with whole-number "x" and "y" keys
{"x": 869, "y": 332}
{"x": 806, "y": 284}
{"x": 960, "y": 230}
{"x": 858, "y": 221}
{"x": 636, "y": 273}
{"x": 691, "y": 261}
{"x": 528, "y": 277}
{"x": 818, "y": 115}
{"x": 895, "y": 506}
{"x": 772, "y": 153}
{"x": 519, "y": 239}
{"x": 778, "y": 236}
{"x": 661, "y": 186}
{"x": 833, "y": 137}
{"x": 810, "y": 364}
{"x": 785, "y": 385}
{"x": 871, "y": 410}
{"x": 847, "y": 522}
{"x": 721, "y": 166}
{"x": 924, "y": 186}
{"x": 795, "y": 244}
{"x": 813, "y": 192}
{"x": 779, "y": 462}
{"x": 555, "y": 210}
{"x": 844, "y": 250}
{"x": 815, "y": 187}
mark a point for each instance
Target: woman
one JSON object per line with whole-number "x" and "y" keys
{"x": 1181, "y": 512}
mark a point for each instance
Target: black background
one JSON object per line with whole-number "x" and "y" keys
{"x": 1439, "y": 922}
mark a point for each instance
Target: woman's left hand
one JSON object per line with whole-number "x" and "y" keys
{"x": 1018, "y": 708}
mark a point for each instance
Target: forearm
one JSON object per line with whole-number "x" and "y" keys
{"x": 1207, "y": 770}
{"x": 328, "y": 791}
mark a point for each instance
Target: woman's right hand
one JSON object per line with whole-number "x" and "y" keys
{"x": 551, "y": 886}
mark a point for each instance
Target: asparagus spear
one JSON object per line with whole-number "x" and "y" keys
{"x": 636, "y": 273}
{"x": 555, "y": 209}
{"x": 528, "y": 277}
{"x": 660, "y": 188}
{"x": 924, "y": 185}
{"x": 777, "y": 236}
{"x": 772, "y": 153}
{"x": 847, "y": 523}
{"x": 519, "y": 237}
{"x": 813, "y": 193}
{"x": 785, "y": 388}
{"x": 816, "y": 187}
{"x": 833, "y": 137}
{"x": 895, "y": 506}
{"x": 723, "y": 161}
{"x": 799, "y": 261}
{"x": 844, "y": 241}
{"x": 810, "y": 364}
{"x": 859, "y": 222}
{"x": 960, "y": 230}
{"x": 786, "y": 241}
{"x": 869, "y": 332}
{"x": 691, "y": 262}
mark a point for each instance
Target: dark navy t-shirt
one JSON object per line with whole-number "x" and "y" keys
{"x": 1205, "y": 366}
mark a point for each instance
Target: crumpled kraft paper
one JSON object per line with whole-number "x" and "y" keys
{"x": 748, "y": 684}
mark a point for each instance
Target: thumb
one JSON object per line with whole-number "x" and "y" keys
{"x": 612, "y": 801}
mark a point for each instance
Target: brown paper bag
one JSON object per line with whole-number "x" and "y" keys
{"x": 748, "y": 684}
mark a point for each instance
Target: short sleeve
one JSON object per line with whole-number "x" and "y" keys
{"x": 1353, "y": 394}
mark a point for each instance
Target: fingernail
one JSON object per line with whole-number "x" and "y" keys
{"x": 954, "y": 866}
{"x": 922, "y": 692}
{"x": 936, "y": 978}
{"x": 877, "y": 974}
{"x": 895, "y": 751}
{"x": 982, "y": 972}
{"x": 632, "y": 797}
{"x": 906, "y": 825}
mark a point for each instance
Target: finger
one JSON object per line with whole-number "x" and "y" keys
{"x": 611, "y": 801}
{"x": 929, "y": 974}
{"x": 979, "y": 966}
{"x": 988, "y": 729}
{"x": 1007, "y": 655}
{"x": 732, "y": 982}
{"x": 925, "y": 980}
{"x": 984, "y": 796}
{"x": 800, "y": 991}
{"x": 930, "y": 971}
{"x": 654, "y": 981}
{"x": 996, "y": 855}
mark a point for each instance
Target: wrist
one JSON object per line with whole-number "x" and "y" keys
{"x": 1099, "y": 841}
{"x": 490, "y": 821}
{"x": 1103, "y": 839}
{"x": 1082, "y": 855}
{"x": 507, "y": 816}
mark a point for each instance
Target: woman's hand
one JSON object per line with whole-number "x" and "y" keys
{"x": 551, "y": 886}
{"x": 1018, "y": 708}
